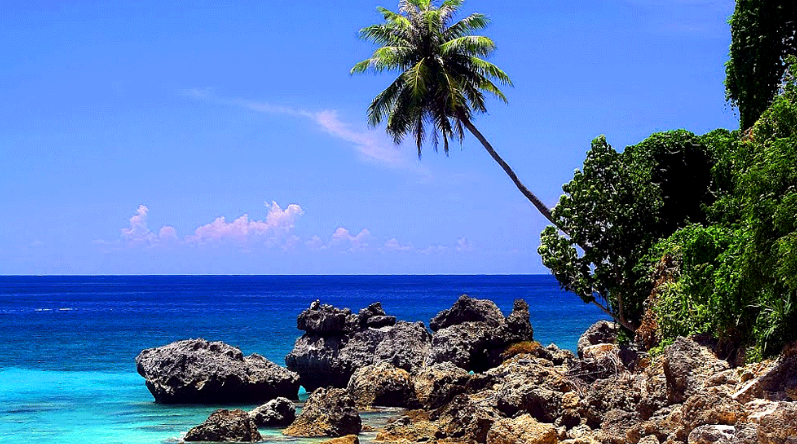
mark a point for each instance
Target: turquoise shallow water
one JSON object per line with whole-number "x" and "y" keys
{"x": 67, "y": 344}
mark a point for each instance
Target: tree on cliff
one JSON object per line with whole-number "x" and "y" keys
{"x": 619, "y": 205}
{"x": 764, "y": 33}
{"x": 443, "y": 77}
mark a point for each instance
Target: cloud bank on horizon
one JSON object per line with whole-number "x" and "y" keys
{"x": 274, "y": 231}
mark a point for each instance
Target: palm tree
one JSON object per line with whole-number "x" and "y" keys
{"x": 443, "y": 77}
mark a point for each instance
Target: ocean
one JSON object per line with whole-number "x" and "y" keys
{"x": 68, "y": 343}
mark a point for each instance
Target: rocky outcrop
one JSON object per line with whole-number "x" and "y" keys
{"x": 383, "y": 385}
{"x": 279, "y": 412}
{"x": 326, "y": 320}
{"x": 776, "y": 423}
{"x": 777, "y": 383}
{"x": 473, "y": 333}
{"x": 197, "y": 371}
{"x": 437, "y": 384}
{"x": 327, "y": 412}
{"x": 466, "y": 418}
{"x": 374, "y": 316}
{"x": 601, "y": 332}
{"x": 226, "y": 426}
{"x": 523, "y": 429}
{"x": 337, "y": 343}
{"x": 467, "y": 309}
{"x": 687, "y": 366}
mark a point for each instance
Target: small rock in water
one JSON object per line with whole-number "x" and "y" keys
{"x": 226, "y": 426}
{"x": 279, "y": 412}
{"x": 327, "y": 412}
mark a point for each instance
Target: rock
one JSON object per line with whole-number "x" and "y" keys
{"x": 650, "y": 439}
{"x": 466, "y": 418}
{"x": 323, "y": 361}
{"x": 437, "y": 384}
{"x": 778, "y": 424}
{"x": 226, "y": 426}
{"x": 196, "y": 371}
{"x": 382, "y": 384}
{"x": 414, "y": 426}
{"x": 523, "y": 429}
{"x": 687, "y": 366}
{"x": 615, "y": 425}
{"x": 517, "y": 323}
{"x": 601, "y": 332}
{"x": 327, "y": 412}
{"x": 542, "y": 403}
{"x": 663, "y": 423}
{"x": 466, "y": 309}
{"x": 477, "y": 345}
{"x": 326, "y": 320}
{"x": 712, "y": 434}
{"x": 778, "y": 383}
{"x": 279, "y": 412}
{"x": 374, "y": 316}
{"x": 348, "y": 439}
{"x": 711, "y": 407}
{"x": 618, "y": 393}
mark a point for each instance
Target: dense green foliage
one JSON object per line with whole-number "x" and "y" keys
{"x": 617, "y": 207}
{"x": 738, "y": 274}
{"x": 763, "y": 33}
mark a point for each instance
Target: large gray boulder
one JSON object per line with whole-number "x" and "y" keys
{"x": 329, "y": 356}
{"x": 327, "y": 412}
{"x": 226, "y": 426}
{"x": 196, "y": 371}
{"x": 477, "y": 344}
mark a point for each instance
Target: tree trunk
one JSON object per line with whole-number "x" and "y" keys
{"x": 537, "y": 203}
{"x": 508, "y": 170}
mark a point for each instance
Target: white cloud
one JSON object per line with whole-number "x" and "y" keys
{"x": 342, "y": 237}
{"x": 394, "y": 245}
{"x": 464, "y": 244}
{"x": 273, "y": 230}
{"x": 367, "y": 143}
{"x": 139, "y": 234}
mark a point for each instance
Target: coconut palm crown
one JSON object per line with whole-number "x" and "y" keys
{"x": 443, "y": 76}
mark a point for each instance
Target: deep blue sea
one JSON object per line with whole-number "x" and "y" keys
{"x": 68, "y": 343}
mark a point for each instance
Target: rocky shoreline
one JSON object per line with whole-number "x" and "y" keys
{"x": 478, "y": 377}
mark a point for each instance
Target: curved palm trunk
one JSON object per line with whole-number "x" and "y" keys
{"x": 508, "y": 170}
{"x": 538, "y": 204}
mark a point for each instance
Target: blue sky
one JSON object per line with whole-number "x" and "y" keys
{"x": 161, "y": 137}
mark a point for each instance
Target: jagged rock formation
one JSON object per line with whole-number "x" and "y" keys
{"x": 336, "y": 343}
{"x": 473, "y": 333}
{"x": 196, "y": 371}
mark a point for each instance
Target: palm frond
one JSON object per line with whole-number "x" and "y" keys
{"x": 467, "y": 26}
{"x": 472, "y": 45}
{"x": 444, "y": 78}
{"x": 384, "y": 103}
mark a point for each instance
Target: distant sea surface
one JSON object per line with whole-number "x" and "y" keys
{"x": 68, "y": 343}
